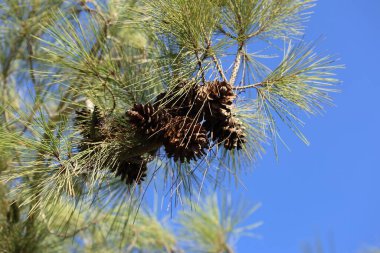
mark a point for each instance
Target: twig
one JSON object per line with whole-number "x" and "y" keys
{"x": 200, "y": 60}
{"x": 255, "y": 85}
{"x": 228, "y": 249}
{"x": 73, "y": 233}
{"x": 139, "y": 150}
{"x": 3, "y": 96}
{"x": 259, "y": 84}
{"x": 237, "y": 63}
{"x": 13, "y": 51}
{"x": 29, "y": 47}
{"x": 40, "y": 97}
{"x": 226, "y": 33}
{"x": 219, "y": 67}
{"x": 93, "y": 11}
{"x": 262, "y": 28}
{"x": 200, "y": 68}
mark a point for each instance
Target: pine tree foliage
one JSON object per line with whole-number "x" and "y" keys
{"x": 98, "y": 98}
{"x": 213, "y": 226}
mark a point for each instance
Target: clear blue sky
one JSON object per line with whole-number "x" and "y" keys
{"x": 329, "y": 190}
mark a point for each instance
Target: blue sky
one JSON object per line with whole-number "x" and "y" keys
{"x": 328, "y": 191}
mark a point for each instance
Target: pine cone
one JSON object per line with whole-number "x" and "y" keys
{"x": 179, "y": 101}
{"x": 231, "y": 133}
{"x": 89, "y": 125}
{"x": 185, "y": 139}
{"x": 148, "y": 119}
{"x": 216, "y": 99}
{"x": 131, "y": 171}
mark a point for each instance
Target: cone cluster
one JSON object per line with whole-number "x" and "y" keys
{"x": 184, "y": 120}
{"x": 93, "y": 128}
{"x": 216, "y": 99}
{"x": 183, "y": 137}
{"x": 210, "y": 104}
{"x": 188, "y": 117}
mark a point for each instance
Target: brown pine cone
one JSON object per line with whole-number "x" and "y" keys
{"x": 148, "y": 119}
{"x": 216, "y": 99}
{"x": 179, "y": 101}
{"x": 232, "y": 133}
{"x": 185, "y": 139}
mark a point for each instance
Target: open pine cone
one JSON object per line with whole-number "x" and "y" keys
{"x": 229, "y": 131}
{"x": 216, "y": 99}
{"x": 185, "y": 139}
{"x": 179, "y": 101}
{"x": 232, "y": 133}
{"x": 182, "y": 121}
{"x": 148, "y": 119}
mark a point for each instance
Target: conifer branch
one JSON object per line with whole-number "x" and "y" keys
{"x": 219, "y": 68}
{"x": 193, "y": 132}
{"x": 236, "y": 65}
{"x": 223, "y": 31}
{"x": 255, "y": 85}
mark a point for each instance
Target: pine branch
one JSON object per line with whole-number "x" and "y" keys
{"x": 88, "y": 58}
{"x": 255, "y": 85}
{"x": 221, "y": 29}
{"x": 219, "y": 68}
{"x": 236, "y": 66}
